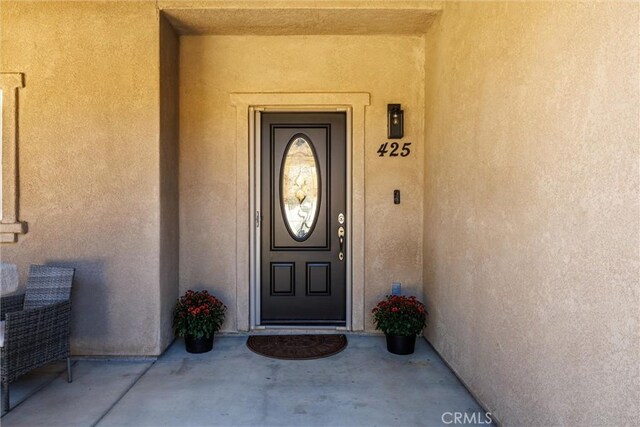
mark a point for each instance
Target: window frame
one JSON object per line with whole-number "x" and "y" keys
{"x": 10, "y": 226}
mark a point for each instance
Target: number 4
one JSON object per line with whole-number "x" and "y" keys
{"x": 382, "y": 150}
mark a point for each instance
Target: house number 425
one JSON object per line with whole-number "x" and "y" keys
{"x": 392, "y": 151}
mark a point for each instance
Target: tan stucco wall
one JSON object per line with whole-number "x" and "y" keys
{"x": 213, "y": 67}
{"x": 531, "y": 207}
{"x": 531, "y": 225}
{"x": 89, "y": 161}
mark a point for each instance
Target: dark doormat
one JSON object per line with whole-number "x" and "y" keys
{"x": 297, "y": 347}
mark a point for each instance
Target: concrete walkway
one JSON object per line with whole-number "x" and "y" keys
{"x": 362, "y": 386}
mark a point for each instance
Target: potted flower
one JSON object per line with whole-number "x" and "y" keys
{"x": 401, "y": 319}
{"x": 197, "y": 316}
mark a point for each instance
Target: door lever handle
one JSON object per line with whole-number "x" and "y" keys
{"x": 341, "y": 240}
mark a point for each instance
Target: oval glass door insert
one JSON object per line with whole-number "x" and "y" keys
{"x": 300, "y": 188}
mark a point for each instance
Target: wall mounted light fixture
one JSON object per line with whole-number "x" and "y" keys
{"x": 395, "y": 121}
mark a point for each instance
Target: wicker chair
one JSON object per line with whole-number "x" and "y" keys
{"x": 36, "y": 325}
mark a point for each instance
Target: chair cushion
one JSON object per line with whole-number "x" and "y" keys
{"x": 2, "y": 333}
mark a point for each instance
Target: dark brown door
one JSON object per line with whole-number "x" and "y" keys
{"x": 303, "y": 273}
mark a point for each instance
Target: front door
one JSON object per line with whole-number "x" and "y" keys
{"x": 303, "y": 232}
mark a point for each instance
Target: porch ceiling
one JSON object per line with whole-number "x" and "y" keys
{"x": 301, "y": 21}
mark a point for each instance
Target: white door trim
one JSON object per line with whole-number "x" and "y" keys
{"x": 248, "y": 109}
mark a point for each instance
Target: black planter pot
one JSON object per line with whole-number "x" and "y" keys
{"x": 398, "y": 344}
{"x": 198, "y": 345}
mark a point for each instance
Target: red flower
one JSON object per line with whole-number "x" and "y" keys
{"x": 198, "y": 313}
{"x": 399, "y": 315}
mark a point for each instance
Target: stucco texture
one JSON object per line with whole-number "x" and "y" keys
{"x": 520, "y": 217}
{"x": 531, "y": 207}
{"x": 89, "y": 162}
{"x": 214, "y": 67}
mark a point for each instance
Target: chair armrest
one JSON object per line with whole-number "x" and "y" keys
{"x": 28, "y": 329}
{"x": 34, "y": 337}
{"x": 10, "y": 303}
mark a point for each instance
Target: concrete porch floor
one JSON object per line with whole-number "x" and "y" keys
{"x": 364, "y": 385}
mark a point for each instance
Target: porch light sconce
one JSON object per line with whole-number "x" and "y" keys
{"x": 395, "y": 121}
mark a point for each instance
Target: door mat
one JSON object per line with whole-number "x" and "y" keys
{"x": 297, "y": 347}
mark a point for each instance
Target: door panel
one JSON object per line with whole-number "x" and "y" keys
{"x": 303, "y": 175}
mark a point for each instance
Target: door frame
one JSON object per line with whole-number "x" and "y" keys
{"x": 249, "y": 107}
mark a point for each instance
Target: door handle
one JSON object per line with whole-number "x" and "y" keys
{"x": 341, "y": 240}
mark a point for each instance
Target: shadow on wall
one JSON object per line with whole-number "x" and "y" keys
{"x": 89, "y": 300}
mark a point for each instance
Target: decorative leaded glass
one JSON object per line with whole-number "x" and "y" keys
{"x": 300, "y": 188}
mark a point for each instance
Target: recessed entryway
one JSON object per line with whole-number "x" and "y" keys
{"x": 257, "y": 74}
